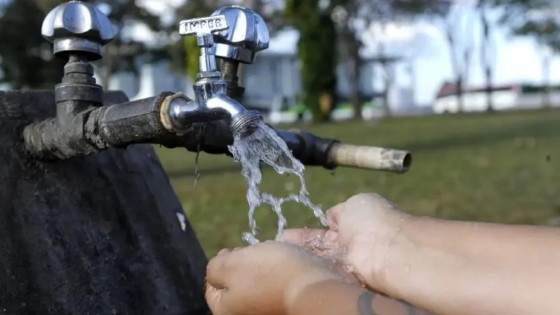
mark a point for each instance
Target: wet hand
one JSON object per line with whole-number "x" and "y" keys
{"x": 263, "y": 279}
{"x": 360, "y": 234}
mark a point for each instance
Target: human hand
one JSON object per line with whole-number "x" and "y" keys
{"x": 263, "y": 279}
{"x": 361, "y": 232}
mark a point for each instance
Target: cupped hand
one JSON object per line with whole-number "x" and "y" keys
{"x": 264, "y": 278}
{"x": 361, "y": 232}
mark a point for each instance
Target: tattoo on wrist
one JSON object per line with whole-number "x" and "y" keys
{"x": 365, "y": 303}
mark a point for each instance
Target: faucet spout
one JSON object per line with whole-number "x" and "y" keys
{"x": 211, "y": 104}
{"x": 183, "y": 113}
{"x": 242, "y": 121}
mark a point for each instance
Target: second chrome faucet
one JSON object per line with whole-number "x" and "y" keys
{"x": 211, "y": 98}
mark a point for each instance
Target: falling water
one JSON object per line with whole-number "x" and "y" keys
{"x": 266, "y": 146}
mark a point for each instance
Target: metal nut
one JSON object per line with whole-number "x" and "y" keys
{"x": 247, "y": 34}
{"x": 79, "y": 27}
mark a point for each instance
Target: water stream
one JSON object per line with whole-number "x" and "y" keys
{"x": 266, "y": 146}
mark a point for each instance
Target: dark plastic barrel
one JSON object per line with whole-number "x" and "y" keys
{"x": 94, "y": 235}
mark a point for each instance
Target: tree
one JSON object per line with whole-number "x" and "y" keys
{"x": 353, "y": 17}
{"x": 487, "y": 50}
{"x": 538, "y": 19}
{"x": 317, "y": 53}
{"x": 458, "y": 27}
{"x": 122, "y": 52}
{"x": 26, "y": 58}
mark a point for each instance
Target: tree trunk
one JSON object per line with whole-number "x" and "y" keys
{"x": 460, "y": 99}
{"x": 546, "y": 80}
{"x": 489, "y": 99}
{"x": 355, "y": 93}
{"x": 388, "y": 81}
{"x": 485, "y": 50}
{"x": 455, "y": 65}
{"x": 93, "y": 235}
{"x": 354, "y": 74}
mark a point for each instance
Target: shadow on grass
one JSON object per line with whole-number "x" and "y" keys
{"x": 488, "y": 136}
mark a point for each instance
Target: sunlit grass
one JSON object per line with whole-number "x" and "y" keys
{"x": 500, "y": 167}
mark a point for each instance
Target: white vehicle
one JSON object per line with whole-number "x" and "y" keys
{"x": 506, "y": 97}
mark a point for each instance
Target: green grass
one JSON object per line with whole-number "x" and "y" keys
{"x": 502, "y": 167}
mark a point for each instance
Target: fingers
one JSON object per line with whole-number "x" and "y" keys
{"x": 303, "y": 236}
{"x": 222, "y": 267}
{"x": 218, "y": 300}
{"x": 219, "y": 268}
{"x": 333, "y": 216}
{"x": 215, "y": 273}
{"x": 365, "y": 201}
{"x": 370, "y": 201}
{"x": 213, "y": 297}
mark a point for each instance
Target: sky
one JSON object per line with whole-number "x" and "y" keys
{"x": 517, "y": 59}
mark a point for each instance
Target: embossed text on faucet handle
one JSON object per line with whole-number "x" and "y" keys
{"x": 203, "y": 28}
{"x": 203, "y": 25}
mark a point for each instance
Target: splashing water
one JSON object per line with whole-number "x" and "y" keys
{"x": 265, "y": 145}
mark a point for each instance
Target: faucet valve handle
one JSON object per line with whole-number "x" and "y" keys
{"x": 247, "y": 35}
{"x": 203, "y": 29}
{"x": 77, "y": 27}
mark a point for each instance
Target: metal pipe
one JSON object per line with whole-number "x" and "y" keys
{"x": 369, "y": 157}
{"x": 99, "y": 128}
{"x": 229, "y": 69}
{"x": 330, "y": 153}
{"x": 123, "y": 124}
{"x": 148, "y": 120}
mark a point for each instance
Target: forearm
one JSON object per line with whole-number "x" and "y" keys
{"x": 335, "y": 297}
{"x": 475, "y": 268}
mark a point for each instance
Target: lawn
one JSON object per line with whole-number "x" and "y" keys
{"x": 501, "y": 167}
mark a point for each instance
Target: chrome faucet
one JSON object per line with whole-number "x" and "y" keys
{"x": 211, "y": 101}
{"x": 247, "y": 35}
{"x": 89, "y": 120}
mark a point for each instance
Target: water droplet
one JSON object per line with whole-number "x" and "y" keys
{"x": 182, "y": 221}
{"x": 196, "y": 171}
{"x": 249, "y": 238}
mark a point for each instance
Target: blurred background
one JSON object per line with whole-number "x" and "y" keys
{"x": 471, "y": 87}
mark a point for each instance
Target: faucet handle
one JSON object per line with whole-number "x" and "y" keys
{"x": 79, "y": 27}
{"x": 203, "y": 29}
{"x": 247, "y": 34}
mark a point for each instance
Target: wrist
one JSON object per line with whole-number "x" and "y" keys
{"x": 410, "y": 260}
{"x": 387, "y": 251}
{"x": 323, "y": 297}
